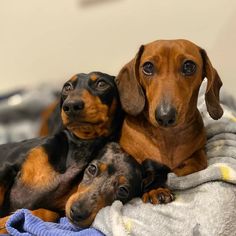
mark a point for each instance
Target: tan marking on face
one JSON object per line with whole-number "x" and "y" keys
{"x": 74, "y": 78}
{"x": 81, "y": 190}
{"x": 103, "y": 167}
{"x": 36, "y": 171}
{"x": 168, "y": 84}
{"x": 93, "y": 77}
{"x": 64, "y": 117}
{"x": 122, "y": 180}
{"x": 94, "y": 121}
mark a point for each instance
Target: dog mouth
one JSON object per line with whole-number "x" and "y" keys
{"x": 73, "y": 124}
{"x": 83, "y": 223}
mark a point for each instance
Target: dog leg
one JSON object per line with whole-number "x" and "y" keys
{"x": 197, "y": 162}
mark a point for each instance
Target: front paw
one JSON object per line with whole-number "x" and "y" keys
{"x": 158, "y": 196}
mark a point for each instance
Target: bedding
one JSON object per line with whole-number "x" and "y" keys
{"x": 205, "y": 202}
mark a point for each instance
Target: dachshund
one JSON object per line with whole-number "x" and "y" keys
{"x": 159, "y": 91}
{"x": 40, "y": 174}
{"x": 52, "y": 116}
{"x": 112, "y": 175}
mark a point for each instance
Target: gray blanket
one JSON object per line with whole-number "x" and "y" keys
{"x": 205, "y": 201}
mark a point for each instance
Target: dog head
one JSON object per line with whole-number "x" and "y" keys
{"x": 114, "y": 175}
{"x": 163, "y": 80}
{"x": 89, "y": 105}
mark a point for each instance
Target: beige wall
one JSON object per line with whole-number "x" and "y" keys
{"x": 50, "y": 40}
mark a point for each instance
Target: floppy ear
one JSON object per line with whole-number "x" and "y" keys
{"x": 214, "y": 84}
{"x": 131, "y": 94}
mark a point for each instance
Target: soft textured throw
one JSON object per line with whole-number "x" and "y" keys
{"x": 205, "y": 201}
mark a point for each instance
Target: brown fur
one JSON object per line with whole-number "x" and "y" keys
{"x": 36, "y": 170}
{"x": 2, "y": 194}
{"x": 180, "y": 147}
{"x": 44, "y": 131}
{"x": 95, "y": 120}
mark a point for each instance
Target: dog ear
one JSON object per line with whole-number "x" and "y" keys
{"x": 214, "y": 84}
{"x": 131, "y": 94}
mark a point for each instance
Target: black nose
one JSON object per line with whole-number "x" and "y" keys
{"x": 73, "y": 107}
{"x": 165, "y": 115}
{"x": 77, "y": 213}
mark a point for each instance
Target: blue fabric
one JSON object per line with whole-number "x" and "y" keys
{"x": 23, "y": 223}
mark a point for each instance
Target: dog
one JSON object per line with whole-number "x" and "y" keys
{"x": 40, "y": 174}
{"x": 112, "y": 175}
{"x": 52, "y": 116}
{"x": 159, "y": 91}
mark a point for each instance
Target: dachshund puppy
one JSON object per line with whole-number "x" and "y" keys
{"x": 113, "y": 175}
{"x": 40, "y": 174}
{"x": 159, "y": 91}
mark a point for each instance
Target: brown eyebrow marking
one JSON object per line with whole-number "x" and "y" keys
{"x": 93, "y": 77}
{"x": 103, "y": 167}
{"x": 74, "y": 78}
{"x": 122, "y": 180}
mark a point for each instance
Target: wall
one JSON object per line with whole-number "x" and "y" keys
{"x": 45, "y": 40}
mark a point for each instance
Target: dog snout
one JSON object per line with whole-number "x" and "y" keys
{"x": 165, "y": 115}
{"x": 78, "y": 213}
{"x": 73, "y": 107}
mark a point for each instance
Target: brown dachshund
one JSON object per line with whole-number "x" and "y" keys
{"x": 159, "y": 91}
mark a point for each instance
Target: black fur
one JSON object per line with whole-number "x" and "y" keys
{"x": 67, "y": 156}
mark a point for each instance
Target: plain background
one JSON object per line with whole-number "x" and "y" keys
{"x": 51, "y": 40}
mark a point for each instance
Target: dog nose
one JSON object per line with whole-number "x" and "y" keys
{"x": 77, "y": 213}
{"x": 165, "y": 115}
{"x": 73, "y": 107}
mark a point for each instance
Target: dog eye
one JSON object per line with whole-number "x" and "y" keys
{"x": 148, "y": 68}
{"x": 92, "y": 169}
{"x": 68, "y": 87}
{"x": 102, "y": 85}
{"x": 123, "y": 192}
{"x": 189, "y": 68}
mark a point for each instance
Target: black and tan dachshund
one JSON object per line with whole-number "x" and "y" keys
{"x": 40, "y": 174}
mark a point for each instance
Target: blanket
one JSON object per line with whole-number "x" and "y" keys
{"x": 23, "y": 223}
{"x": 205, "y": 202}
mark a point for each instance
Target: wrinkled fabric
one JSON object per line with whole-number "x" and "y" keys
{"x": 205, "y": 203}
{"x": 23, "y": 223}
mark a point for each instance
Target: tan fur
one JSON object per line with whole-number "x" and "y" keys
{"x": 180, "y": 147}
{"x": 95, "y": 119}
{"x": 36, "y": 170}
{"x": 45, "y": 116}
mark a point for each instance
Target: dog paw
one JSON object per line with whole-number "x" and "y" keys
{"x": 158, "y": 196}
